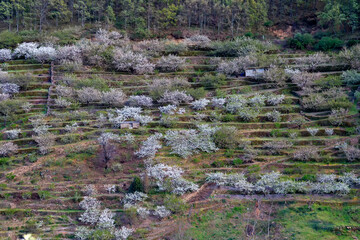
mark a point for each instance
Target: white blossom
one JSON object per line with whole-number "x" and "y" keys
{"x": 110, "y": 188}
{"x": 134, "y": 198}
{"x": 149, "y": 147}
{"x": 329, "y": 131}
{"x": 170, "y": 63}
{"x": 200, "y": 104}
{"x": 140, "y": 101}
{"x": 169, "y": 109}
{"x": 142, "y": 212}
{"x": 312, "y": 131}
{"x": 25, "y": 50}
{"x": 7, "y": 149}
{"x": 274, "y": 99}
{"x": 13, "y": 133}
{"x": 123, "y": 233}
{"x": 5, "y": 55}
{"x": 106, "y": 220}
{"x": 175, "y": 97}
{"x": 9, "y": 88}
{"x": 89, "y": 94}
{"x": 218, "y": 102}
{"x": 161, "y": 212}
{"x": 113, "y": 97}
{"x": 128, "y": 61}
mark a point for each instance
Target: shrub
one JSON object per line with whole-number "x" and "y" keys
{"x": 226, "y": 137}
{"x": 328, "y": 43}
{"x": 237, "y": 66}
{"x": 128, "y": 61}
{"x": 5, "y": 55}
{"x": 197, "y": 93}
{"x": 136, "y": 185}
{"x": 301, "y": 41}
{"x": 175, "y": 204}
{"x": 209, "y": 81}
{"x": 175, "y": 48}
{"x": 170, "y": 63}
{"x": 240, "y": 47}
{"x": 351, "y": 77}
{"x": 9, "y": 39}
{"x": 274, "y": 116}
{"x": 338, "y": 116}
{"x": 8, "y": 149}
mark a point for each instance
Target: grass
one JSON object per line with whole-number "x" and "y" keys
{"x": 319, "y": 222}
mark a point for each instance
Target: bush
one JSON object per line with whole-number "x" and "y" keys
{"x": 209, "y": 81}
{"x": 175, "y": 204}
{"x": 227, "y": 137}
{"x": 9, "y": 39}
{"x": 328, "y": 43}
{"x": 351, "y": 77}
{"x": 136, "y": 185}
{"x": 175, "y": 48}
{"x": 301, "y": 41}
{"x": 197, "y": 93}
{"x": 240, "y": 47}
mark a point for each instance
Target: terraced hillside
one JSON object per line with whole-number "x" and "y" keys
{"x": 249, "y": 151}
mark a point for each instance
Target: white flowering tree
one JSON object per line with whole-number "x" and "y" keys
{"x": 8, "y": 149}
{"x": 128, "y": 61}
{"x": 5, "y": 55}
{"x": 175, "y": 97}
{"x": 150, "y": 146}
{"x": 170, "y": 63}
{"x": 140, "y": 101}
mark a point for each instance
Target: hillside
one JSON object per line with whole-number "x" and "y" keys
{"x": 189, "y": 139}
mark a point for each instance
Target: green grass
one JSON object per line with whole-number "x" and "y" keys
{"x": 319, "y": 222}
{"x": 218, "y": 225}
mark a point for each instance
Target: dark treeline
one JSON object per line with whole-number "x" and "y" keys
{"x": 141, "y": 16}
